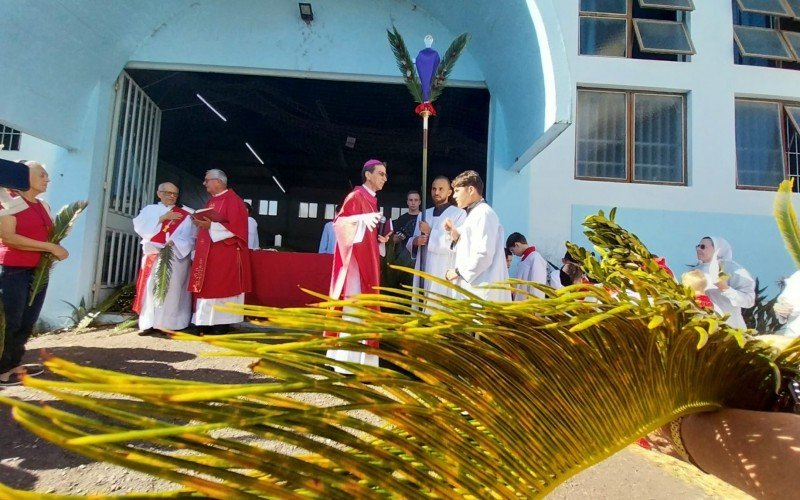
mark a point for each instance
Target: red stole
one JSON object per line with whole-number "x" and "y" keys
{"x": 528, "y": 251}
{"x": 160, "y": 237}
{"x": 228, "y": 260}
{"x": 366, "y": 253}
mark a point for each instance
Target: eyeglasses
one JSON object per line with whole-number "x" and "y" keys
{"x": 169, "y": 193}
{"x": 701, "y": 246}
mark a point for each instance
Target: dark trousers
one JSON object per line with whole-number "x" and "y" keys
{"x": 15, "y": 289}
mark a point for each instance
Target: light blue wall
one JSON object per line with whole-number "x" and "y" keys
{"x": 756, "y": 242}
{"x": 345, "y": 38}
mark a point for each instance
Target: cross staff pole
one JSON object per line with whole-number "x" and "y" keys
{"x": 422, "y": 251}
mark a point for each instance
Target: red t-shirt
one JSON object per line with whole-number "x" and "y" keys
{"x": 34, "y": 222}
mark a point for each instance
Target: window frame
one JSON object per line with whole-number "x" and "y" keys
{"x": 631, "y": 32}
{"x": 691, "y": 51}
{"x": 630, "y": 138}
{"x": 11, "y": 138}
{"x": 766, "y": 13}
{"x": 654, "y": 5}
{"x": 783, "y": 118}
{"x": 786, "y": 26}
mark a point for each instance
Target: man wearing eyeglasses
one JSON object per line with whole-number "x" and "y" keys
{"x": 167, "y": 233}
{"x": 356, "y": 256}
{"x": 221, "y": 268}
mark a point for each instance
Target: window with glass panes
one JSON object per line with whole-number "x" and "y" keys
{"x": 9, "y": 138}
{"x": 631, "y": 136}
{"x": 767, "y": 33}
{"x": 638, "y": 29}
{"x": 767, "y": 144}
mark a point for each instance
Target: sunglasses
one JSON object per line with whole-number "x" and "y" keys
{"x": 702, "y": 246}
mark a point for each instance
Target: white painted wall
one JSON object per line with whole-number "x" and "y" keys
{"x": 710, "y": 204}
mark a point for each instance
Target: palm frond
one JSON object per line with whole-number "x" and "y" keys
{"x": 405, "y": 63}
{"x": 62, "y": 224}
{"x": 104, "y": 306}
{"x": 446, "y": 65}
{"x": 494, "y": 400}
{"x": 785, "y": 216}
{"x": 162, "y": 274}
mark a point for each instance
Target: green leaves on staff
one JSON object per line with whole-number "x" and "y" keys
{"x": 491, "y": 400}
{"x": 62, "y": 225}
{"x": 162, "y": 273}
{"x": 409, "y": 71}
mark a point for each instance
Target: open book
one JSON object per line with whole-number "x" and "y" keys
{"x": 208, "y": 213}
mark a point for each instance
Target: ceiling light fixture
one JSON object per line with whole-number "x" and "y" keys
{"x": 254, "y": 153}
{"x": 278, "y": 183}
{"x": 211, "y": 107}
{"x": 306, "y": 14}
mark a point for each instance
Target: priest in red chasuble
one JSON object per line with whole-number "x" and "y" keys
{"x": 221, "y": 266}
{"x": 357, "y": 254}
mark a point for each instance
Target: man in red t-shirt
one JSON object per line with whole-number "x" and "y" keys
{"x": 23, "y": 240}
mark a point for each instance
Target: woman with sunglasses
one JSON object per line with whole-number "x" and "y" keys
{"x": 730, "y": 286}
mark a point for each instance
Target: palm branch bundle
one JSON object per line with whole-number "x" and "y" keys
{"x": 162, "y": 273}
{"x": 494, "y": 400}
{"x": 446, "y": 65}
{"x": 407, "y": 68}
{"x": 62, "y": 224}
{"x": 405, "y": 64}
{"x": 786, "y": 218}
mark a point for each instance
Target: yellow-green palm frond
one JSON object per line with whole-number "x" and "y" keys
{"x": 485, "y": 400}
{"x": 62, "y": 225}
{"x": 162, "y": 274}
{"x": 785, "y": 216}
{"x": 404, "y": 63}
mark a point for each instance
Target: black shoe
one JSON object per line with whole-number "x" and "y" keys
{"x": 220, "y": 329}
{"x": 193, "y": 330}
{"x": 148, "y": 332}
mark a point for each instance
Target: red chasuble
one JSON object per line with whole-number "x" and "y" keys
{"x": 358, "y": 202}
{"x": 222, "y": 269}
{"x": 167, "y": 227}
{"x": 366, "y": 252}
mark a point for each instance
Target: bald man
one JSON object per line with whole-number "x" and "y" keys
{"x": 162, "y": 224}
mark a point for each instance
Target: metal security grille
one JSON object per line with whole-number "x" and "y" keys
{"x": 130, "y": 184}
{"x": 9, "y": 138}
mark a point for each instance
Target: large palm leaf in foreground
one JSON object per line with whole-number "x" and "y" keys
{"x": 493, "y": 400}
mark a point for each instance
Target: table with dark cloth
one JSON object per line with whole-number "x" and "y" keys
{"x": 279, "y": 276}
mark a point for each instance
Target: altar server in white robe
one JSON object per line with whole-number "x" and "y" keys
{"x": 532, "y": 266}
{"x": 478, "y": 241}
{"x": 430, "y": 237}
{"x": 161, "y": 224}
{"x": 252, "y": 229}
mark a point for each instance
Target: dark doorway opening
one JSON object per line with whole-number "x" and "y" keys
{"x": 312, "y": 136}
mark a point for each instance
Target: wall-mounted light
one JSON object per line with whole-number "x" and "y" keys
{"x": 306, "y": 14}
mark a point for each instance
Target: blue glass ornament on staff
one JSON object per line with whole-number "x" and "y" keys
{"x": 427, "y": 62}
